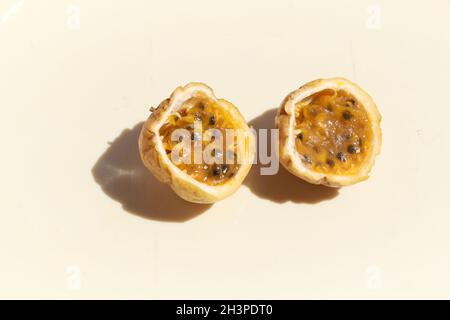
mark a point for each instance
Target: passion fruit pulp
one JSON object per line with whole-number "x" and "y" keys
{"x": 200, "y": 117}
{"x": 329, "y": 132}
{"x": 332, "y": 132}
{"x": 192, "y": 119}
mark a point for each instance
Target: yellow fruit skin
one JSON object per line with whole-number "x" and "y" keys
{"x": 157, "y": 162}
{"x": 285, "y": 119}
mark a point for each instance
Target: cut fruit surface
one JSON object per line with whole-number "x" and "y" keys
{"x": 198, "y": 144}
{"x": 332, "y": 132}
{"x": 203, "y": 120}
{"x": 329, "y": 132}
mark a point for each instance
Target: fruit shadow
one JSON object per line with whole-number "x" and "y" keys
{"x": 283, "y": 186}
{"x": 123, "y": 177}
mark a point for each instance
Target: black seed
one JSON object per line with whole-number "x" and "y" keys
{"x": 300, "y": 136}
{"x": 330, "y": 163}
{"x": 212, "y": 120}
{"x": 353, "y": 149}
{"x": 347, "y": 115}
{"x": 216, "y": 171}
{"x": 225, "y": 168}
{"x": 341, "y": 156}
{"x": 307, "y": 159}
{"x": 351, "y": 102}
{"x": 329, "y": 108}
{"x": 180, "y": 138}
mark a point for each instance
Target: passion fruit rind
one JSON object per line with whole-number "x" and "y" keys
{"x": 286, "y": 119}
{"x": 159, "y": 164}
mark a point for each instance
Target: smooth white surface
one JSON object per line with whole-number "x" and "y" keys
{"x": 67, "y": 89}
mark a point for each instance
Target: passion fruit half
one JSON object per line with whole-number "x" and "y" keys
{"x": 200, "y": 145}
{"x": 329, "y": 132}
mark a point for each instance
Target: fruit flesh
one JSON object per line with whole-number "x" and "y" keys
{"x": 332, "y": 132}
{"x": 201, "y": 116}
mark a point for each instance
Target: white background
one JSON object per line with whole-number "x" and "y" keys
{"x": 81, "y": 218}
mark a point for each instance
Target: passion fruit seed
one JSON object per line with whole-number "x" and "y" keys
{"x": 225, "y": 168}
{"x": 330, "y": 163}
{"x": 341, "y": 156}
{"x": 347, "y": 115}
{"x": 212, "y": 120}
{"x": 216, "y": 171}
{"x": 300, "y": 136}
{"x": 353, "y": 149}
{"x": 351, "y": 103}
{"x": 307, "y": 159}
